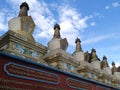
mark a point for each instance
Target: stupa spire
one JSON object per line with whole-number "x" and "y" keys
{"x": 114, "y": 69}
{"x": 78, "y": 45}
{"x": 57, "y": 31}
{"x": 104, "y": 57}
{"x": 104, "y": 62}
{"x": 23, "y": 9}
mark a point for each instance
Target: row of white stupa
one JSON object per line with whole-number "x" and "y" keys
{"x": 89, "y": 66}
{"x": 80, "y": 63}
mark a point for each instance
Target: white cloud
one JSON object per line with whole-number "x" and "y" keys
{"x": 54, "y": 5}
{"x": 5, "y": 16}
{"x": 70, "y": 20}
{"x": 2, "y": 20}
{"x": 41, "y": 15}
{"x": 113, "y": 5}
{"x": 107, "y": 7}
{"x": 96, "y": 14}
{"x": 117, "y": 64}
{"x": 96, "y": 39}
{"x": 92, "y": 23}
{"x": 116, "y": 4}
{"x": 71, "y": 23}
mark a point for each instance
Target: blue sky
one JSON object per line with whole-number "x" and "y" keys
{"x": 95, "y": 22}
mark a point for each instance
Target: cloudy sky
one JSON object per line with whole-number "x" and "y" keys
{"x": 95, "y": 22}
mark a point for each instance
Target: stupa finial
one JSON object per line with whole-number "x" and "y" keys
{"x": 78, "y": 45}
{"x": 24, "y": 7}
{"x": 57, "y": 32}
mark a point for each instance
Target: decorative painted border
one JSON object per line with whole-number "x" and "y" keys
{"x": 31, "y": 78}
{"x": 102, "y": 88}
{"x": 78, "y": 81}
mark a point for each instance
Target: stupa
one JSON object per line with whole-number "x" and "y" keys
{"x": 19, "y": 40}
{"x": 29, "y": 65}
{"x": 57, "y": 55}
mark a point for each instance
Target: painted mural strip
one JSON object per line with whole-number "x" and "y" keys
{"x": 77, "y": 84}
{"x": 29, "y": 73}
